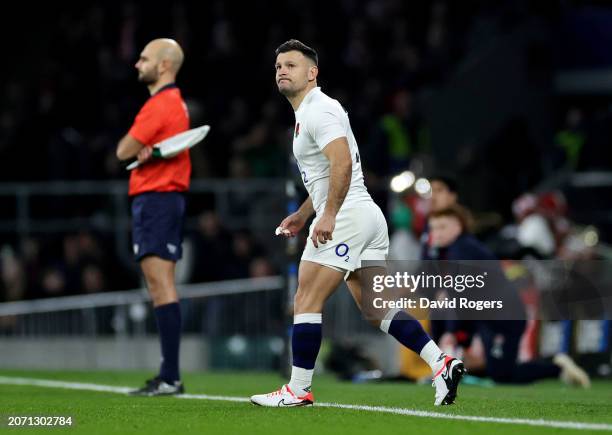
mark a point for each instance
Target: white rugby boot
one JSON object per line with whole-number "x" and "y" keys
{"x": 282, "y": 398}
{"x": 446, "y": 380}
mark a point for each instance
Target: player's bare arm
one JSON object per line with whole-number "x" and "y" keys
{"x": 306, "y": 209}
{"x": 294, "y": 223}
{"x": 130, "y": 147}
{"x": 340, "y": 166}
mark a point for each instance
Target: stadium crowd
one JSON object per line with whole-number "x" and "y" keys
{"x": 84, "y": 262}
{"x": 78, "y": 85}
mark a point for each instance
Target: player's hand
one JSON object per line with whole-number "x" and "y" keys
{"x": 144, "y": 155}
{"x": 291, "y": 225}
{"x": 323, "y": 230}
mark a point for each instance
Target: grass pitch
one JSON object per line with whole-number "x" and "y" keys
{"x": 95, "y": 412}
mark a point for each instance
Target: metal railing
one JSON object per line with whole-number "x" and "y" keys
{"x": 97, "y": 300}
{"x": 42, "y": 208}
{"x": 224, "y": 193}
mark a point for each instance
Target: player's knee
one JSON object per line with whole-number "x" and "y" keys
{"x": 306, "y": 302}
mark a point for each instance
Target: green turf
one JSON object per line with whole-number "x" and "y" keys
{"x": 106, "y": 413}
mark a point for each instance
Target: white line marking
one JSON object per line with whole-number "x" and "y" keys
{"x": 398, "y": 411}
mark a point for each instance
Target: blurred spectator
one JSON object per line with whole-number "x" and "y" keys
{"x": 53, "y": 282}
{"x": 398, "y": 135}
{"x": 553, "y": 207}
{"x": 243, "y": 249}
{"x": 260, "y": 148}
{"x": 92, "y": 279}
{"x": 72, "y": 264}
{"x": 260, "y": 267}
{"x": 212, "y": 254}
{"x": 443, "y": 192}
{"x": 541, "y": 225}
{"x": 13, "y": 283}
{"x": 570, "y": 139}
{"x": 32, "y": 263}
{"x": 533, "y": 230}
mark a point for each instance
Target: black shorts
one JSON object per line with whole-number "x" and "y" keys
{"x": 157, "y": 225}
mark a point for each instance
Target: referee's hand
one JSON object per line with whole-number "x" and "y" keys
{"x": 323, "y": 230}
{"x": 145, "y": 154}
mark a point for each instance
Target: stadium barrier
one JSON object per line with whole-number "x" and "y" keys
{"x": 234, "y": 324}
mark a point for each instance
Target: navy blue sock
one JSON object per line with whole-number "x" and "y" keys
{"x": 305, "y": 343}
{"x": 408, "y": 331}
{"x": 169, "y": 326}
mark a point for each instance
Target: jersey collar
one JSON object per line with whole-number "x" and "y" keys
{"x": 164, "y": 88}
{"x": 309, "y": 96}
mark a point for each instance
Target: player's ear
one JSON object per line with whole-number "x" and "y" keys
{"x": 313, "y": 72}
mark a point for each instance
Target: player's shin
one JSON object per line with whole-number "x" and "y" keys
{"x": 409, "y": 332}
{"x": 305, "y": 343}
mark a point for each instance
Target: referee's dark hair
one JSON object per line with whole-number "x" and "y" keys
{"x": 295, "y": 45}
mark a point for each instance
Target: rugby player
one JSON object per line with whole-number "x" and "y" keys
{"x": 348, "y": 228}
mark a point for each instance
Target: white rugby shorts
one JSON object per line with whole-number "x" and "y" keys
{"x": 360, "y": 234}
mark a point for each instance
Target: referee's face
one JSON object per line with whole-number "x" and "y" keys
{"x": 147, "y": 66}
{"x": 293, "y": 72}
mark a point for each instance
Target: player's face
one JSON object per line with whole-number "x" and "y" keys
{"x": 441, "y": 197}
{"x": 293, "y": 72}
{"x": 444, "y": 230}
{"x": 147, "y": 66}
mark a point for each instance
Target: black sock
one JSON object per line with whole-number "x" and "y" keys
{"x": 169, "y": 326}
{"x": 409, "y": 332}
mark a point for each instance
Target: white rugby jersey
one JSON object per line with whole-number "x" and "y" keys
{"x": 318, "y": 121}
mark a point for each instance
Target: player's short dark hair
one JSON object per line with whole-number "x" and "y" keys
{"x": 448, "y": 180}
{"x": 295, "y": 45}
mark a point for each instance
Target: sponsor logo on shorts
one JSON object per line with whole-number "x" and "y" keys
{"x": 171, "y": 248}
{"x": 136, "y": 248}
{"x": 342, "y": 251}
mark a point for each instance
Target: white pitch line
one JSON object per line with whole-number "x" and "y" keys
{"x": 384, "y": 409}
{"x": 66, "y": 385}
